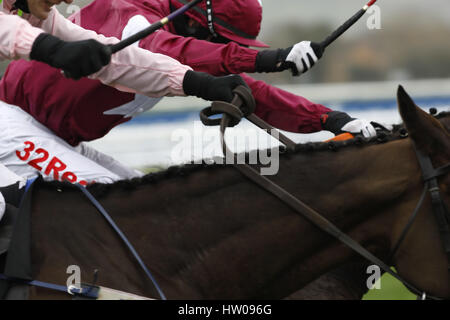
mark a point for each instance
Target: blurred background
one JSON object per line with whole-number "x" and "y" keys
{"x": 411, "y": 44}
{"x": 359, "y": 74}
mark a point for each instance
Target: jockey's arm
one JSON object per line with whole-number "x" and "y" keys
{"x": 280, "y": 108}
{"x": 131, "y": 69}
{"x": 139, "y": 71}
{"x": 19, "y": 39}
{"x": 285, "y": 110}
{"x": 213, "y": 58}
{"x": 16, "y": 37}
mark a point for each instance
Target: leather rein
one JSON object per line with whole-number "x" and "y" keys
{"x": 243, "y": 105}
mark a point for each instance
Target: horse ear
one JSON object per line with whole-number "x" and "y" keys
{"x": 428, "y": 133}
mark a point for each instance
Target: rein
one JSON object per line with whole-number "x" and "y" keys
{"x": 430, "y": 175}
{"x": 243, "y": 105}
{"x": 19, "y": 257}
{"x": 122, "y": 237}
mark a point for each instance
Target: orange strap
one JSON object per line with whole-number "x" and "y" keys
{"x": 342, "y": 137}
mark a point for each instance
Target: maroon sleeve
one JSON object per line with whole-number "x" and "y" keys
{"x": 110, "y": 18}
{"x": 201, "y": 55}
{"x": 280, "y": 108}
{"x": 285, "y": 110}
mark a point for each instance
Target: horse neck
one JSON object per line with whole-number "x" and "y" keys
{"x": 221, "y": 236}
{"x": 214, "y": 234}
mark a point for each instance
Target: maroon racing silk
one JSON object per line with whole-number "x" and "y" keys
{"x": 86, "y": 110}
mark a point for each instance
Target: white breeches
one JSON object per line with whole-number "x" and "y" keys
{"x": 28, "y": 148}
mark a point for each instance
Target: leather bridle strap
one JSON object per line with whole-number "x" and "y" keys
{"x": 317, "y": 219}
{"x": 437, "y": 172}
{"x": 408, "y": 224}
{"x": 243, "y": 105}
{"x": 290, "y": 145}
{"x": 439, "y": 209}
{"x": 293, "y": 202}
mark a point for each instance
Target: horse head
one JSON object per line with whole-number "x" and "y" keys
{"x": 425, "y": 255}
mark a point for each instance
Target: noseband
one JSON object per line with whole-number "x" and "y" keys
{"x": 243, "y": 105}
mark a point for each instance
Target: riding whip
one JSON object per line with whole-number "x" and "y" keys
{"x": 339, "y": 31}
{"x": 147, "y": 31}
{"x": 336, "y": 34}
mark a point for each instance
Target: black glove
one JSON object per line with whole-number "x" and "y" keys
{"x": 211, "y": 88}
{"x": 299, "y": 58}
{"x": 339, "y": 122}
{"x": 77, "y": 59}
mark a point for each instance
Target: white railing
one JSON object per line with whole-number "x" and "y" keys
{"x": 333, "y": 92}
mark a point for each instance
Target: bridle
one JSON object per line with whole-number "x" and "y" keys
{"x": 243, "y": 105}
{"x": 440, "y": 210}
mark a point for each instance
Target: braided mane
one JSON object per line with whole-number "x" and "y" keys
{"x": 98, "y": 189}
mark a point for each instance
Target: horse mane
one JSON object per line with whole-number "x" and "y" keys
{"x": 442, "y": 114}
{"x": 100, "y": 189}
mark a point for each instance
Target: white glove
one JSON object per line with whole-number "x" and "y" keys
{"x": 360, "y": 126}
{"x": 303, "y": 56}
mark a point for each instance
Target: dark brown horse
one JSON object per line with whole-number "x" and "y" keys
{"x": 346, "y": 282}
{"x": 208, "y": 233}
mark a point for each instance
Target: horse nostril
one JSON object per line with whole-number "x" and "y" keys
{"x": 433, "y": 111}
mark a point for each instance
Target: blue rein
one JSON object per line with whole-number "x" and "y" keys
{"x": 28, "y": 185}
{"x": 89, "y": 293}
{"x": 122, "y": 237}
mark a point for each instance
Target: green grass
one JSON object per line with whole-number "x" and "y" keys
{"x": 390, "y": 289}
